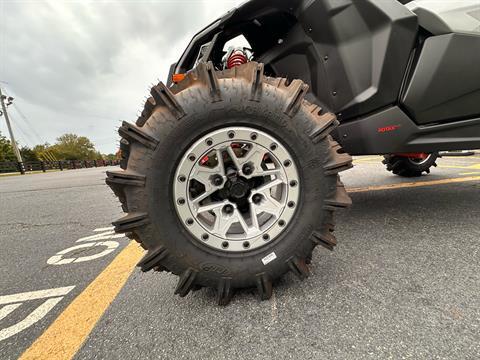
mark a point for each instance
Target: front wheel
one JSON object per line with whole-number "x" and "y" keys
{"x": 231, "y": 180}
{"x": 410, "y": 165}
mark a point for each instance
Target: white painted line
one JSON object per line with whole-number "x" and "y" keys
{"x": 58, "y": 258}
{"x": 7, "y": 309}
{"x": 34, "y": 295}
{"x": 104, "y": 229}
{"x": 31, "y": 318}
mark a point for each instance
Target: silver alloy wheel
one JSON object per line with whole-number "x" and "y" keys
{"x": 236, "y": 189}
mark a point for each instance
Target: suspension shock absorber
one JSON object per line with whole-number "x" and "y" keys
{"x": 238, "y": 57}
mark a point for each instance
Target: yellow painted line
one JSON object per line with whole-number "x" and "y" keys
{"x": 413, "y": 184}
{"x": 371, "y": 158}
{"x": 67, "y": 333}
{"x": 470, "y": 173}
{"x": 454, "y": 167}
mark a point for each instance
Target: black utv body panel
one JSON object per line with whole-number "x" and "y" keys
{"x": 352, "y": 53}
{"x": 393, "y": 85}
{"x": 392, "y": 131}
{"x": 446, "y": 82}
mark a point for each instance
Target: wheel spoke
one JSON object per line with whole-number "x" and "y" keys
{"x": 209, "y": 191}
{"x": 254, "y": 216}
{"x": 235, "y": 200}
{"x": 255, "y": 157}
{"x": 222, "y": 222}
{"x": 220, "y": 166}
{"x": 270, "y": 205}
{"x": 235, "y": 159}
{"x": 263, "y": 189}
{"x": 204, "y": 175}
{"x": 210, "y": 207}
{"x": 242, "y": 222}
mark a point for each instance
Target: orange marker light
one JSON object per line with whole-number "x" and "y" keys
{"x": 176, "y": 78}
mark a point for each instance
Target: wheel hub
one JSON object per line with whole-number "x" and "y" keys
{"x": 236, "y": 189}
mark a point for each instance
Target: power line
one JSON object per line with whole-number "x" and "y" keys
{"x": 47, "y": 153}
{"x": 4, "y": 112}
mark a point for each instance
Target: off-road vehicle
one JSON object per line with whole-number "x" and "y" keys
{"x": 230, "y": 174}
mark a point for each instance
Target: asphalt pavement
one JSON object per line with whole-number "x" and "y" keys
{"x": 403, "y": 282}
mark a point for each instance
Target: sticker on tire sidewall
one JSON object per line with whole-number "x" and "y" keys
{"x": 269, "y": 258}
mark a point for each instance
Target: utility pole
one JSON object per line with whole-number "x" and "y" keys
{"x": 12, "y": 138}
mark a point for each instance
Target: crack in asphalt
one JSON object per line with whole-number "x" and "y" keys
{"x": 48, "y": 189}
{"x": 27, "y": 225}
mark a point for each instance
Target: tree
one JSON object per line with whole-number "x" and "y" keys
{"x": 109, "y": 157}
{"x": 74, "y": 147}
{"x": 6, "y": 149}
{"x": 45, "y": 152}
{"x": 28, "y": 154}
{"x": 67, "y": 147}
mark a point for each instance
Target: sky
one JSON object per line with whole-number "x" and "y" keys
{"x": 84, "y": 66}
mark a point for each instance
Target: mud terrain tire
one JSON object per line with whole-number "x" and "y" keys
{"x": 403, "y": 166}
{"x": 175, "y": 118}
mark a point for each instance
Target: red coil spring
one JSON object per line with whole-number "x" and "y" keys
{"x": 237, "y": 58}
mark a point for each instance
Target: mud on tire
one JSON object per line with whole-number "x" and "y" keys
{"x": 175, "y": 118}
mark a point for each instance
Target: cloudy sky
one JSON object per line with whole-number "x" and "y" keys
{"x": 82, "y": 66}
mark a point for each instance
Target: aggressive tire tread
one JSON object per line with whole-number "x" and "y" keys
{"x": 341, "y": 199}
{"x": 298, "y": 90}
{"x": 124, "y": 153}
{"x": 401, "y": 166}
{"x": 153, "y": 259}
{"x": 325, "y": 125}
{"x": 132, "y": 133}
{"x": 124, "y": 178}
{"x": 208, "y": 75}
{"x": 208, "y": 84}
{"x": 224, "y": 292}
{"x": 325, "y": 239}
{"x": 264, "y": 286}
{"x": 257, "y": 82}
{"x": 130, "y": 222}
{"x": 186, "y": 282}
{"x": 164, "y": 97}
{"x": 299, "y": 267}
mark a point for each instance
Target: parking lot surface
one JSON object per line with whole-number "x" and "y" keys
{"x": 403, "y": 282}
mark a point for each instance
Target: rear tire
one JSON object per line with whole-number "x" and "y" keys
{"x": 407, "y": 167}
{"x": 205, "y": 102}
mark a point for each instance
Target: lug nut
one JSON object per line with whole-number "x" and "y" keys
{"x": 228, "y": 209}
{"x": 247, "y": 169}
{"x": 217, "y": 180}
{"x": 257, "y": 199}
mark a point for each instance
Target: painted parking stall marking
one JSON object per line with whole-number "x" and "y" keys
{"x": 59, "y": 258}
{"x": 12, "y": 302}
{"x": 102, "y": 240}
